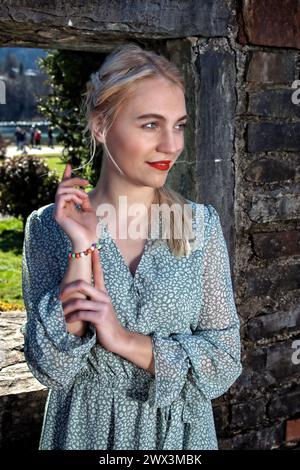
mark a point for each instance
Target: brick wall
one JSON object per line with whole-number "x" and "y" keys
{"x": 266, "y": 408}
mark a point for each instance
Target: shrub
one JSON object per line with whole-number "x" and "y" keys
{"x": 26, "y": 183}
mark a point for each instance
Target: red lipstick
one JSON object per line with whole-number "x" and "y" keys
{"x": 161, "y": 165}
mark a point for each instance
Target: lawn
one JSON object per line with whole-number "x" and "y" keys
{"x": 55, "y": 163}
{"x": 11, "y": 245}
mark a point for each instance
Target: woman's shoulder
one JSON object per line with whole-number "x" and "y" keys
{"x": 44, "y": 213}
{"x": 203, "y": 214}
{"x": 43, "y": 216}
{"x": 208, "y": 209}
{"x": 205, "y": 217}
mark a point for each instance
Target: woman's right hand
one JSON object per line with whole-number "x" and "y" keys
{"x": 79, "y": 225}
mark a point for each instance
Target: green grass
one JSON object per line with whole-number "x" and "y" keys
{"x": 55, "y": 164}
{"x": 53, "y": 161}
{"x": 11, "y": 244}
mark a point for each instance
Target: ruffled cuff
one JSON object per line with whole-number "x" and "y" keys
{"x": 171, "y": 367}
{"x": 52, "y": 326}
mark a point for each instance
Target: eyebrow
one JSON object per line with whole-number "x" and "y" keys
{"x": 158, "y": 116}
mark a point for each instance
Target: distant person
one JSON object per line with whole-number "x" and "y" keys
{"x": 37, "y": 138}
{"x": 22, "y": 141}
{"x": 50, "y": 137}
{"x": 18, "y": 137}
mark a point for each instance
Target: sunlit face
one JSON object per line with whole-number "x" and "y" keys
{"x": 134, "y": 140}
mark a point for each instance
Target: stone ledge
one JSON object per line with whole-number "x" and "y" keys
{"x": 15, "y": 376}
{"x": 22, "y": 397}
{"x": 93, "y": 26}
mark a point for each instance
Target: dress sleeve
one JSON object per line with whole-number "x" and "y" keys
{"x": 210, "y": 356}
{"x": 54, "y": 356}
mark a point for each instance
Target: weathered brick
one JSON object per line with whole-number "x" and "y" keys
{"x": 284, "y": 405}
{"x": 267, "y": 136}
{"x": 221, "y": 417}
{"x": 273, "y": 103}
{"x": 279, "y": 361}
{"x": 292, "y": 430}
{"x": 271, "y": 67}
{"x": 248, "y": 414}
{"x": 267, "y": 366}
{"x": 268, "y": 170}
{"x": 255, "y": 359}
{"x": 274, "y": 244}
{"x": 262, "y": 438}
{"x": 256, "y": 284}
{"x": 266, "y": 326}
{"x": 272, "y": 281}
{"x": 265, "y": 208}
{"x": 271, "y": 23}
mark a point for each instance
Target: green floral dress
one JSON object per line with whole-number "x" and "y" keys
{"x": 96, "y": 398}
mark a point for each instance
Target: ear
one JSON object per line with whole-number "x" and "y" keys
{"x": 97, "y": 130}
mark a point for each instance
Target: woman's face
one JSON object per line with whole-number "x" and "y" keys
{"x": 134, "y": 140}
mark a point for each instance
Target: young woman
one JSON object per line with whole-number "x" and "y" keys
{"x": 134, "y": 337}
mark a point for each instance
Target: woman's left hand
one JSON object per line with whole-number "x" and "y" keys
{"x": 97, "y": 310}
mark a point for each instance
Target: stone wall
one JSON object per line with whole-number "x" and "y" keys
{"x": 267, "y": 224}
{"x": 239, "y": 60}
{"x": 22, "y": 397}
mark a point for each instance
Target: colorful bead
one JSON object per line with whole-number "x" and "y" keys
{"x": 89, "y": 250}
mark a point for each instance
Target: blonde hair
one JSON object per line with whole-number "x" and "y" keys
{"x": 107, "y": 90}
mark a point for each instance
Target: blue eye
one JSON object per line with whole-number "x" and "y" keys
{"x": 183, "y": 125}
{"x": 144, "y": 126}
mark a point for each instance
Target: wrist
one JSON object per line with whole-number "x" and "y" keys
{"x": 123, "y": 339}
{"x": 82, "y": 245}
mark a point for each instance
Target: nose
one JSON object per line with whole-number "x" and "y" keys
{"x": 170, "y": 141}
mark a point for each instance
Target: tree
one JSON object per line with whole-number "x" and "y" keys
{"x": 68, "y": 72}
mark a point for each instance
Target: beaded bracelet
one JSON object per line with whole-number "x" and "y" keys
{"x": 81, "y": 254}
